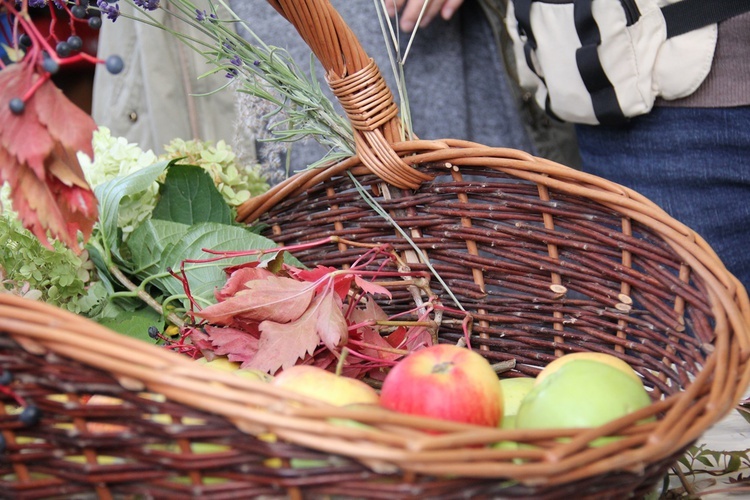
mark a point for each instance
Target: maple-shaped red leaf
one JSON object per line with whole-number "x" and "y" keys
{"x": 282, "y": 344}
{"x": 410, "y": 339}
{"x": 38, "y": 158}
{"x": 237, "y": 345}
{"x": 373, "y": 337}
{"x": 273, "y": 298}
{"x": 342, "y": 282}
{"x": 371, "y": 312}
{"x": 371, "y": 288}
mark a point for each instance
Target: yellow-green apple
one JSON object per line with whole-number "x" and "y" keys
{"x": 326, "y": 386}
{"x": 581, "y": 393}
{"x": 514, "y": 391}
{"x": 223, "y": 364}
{"x": 445, "y": 382}
{"x": 600, "y": 357}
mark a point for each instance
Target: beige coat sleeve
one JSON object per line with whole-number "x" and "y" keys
{"x": 158, "y": 96}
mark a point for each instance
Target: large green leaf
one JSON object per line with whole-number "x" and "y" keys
{"x": 111, "y": 193}
{"x": 189, "y": 196}
{"x": 149, "y": 241}
{"x": 205, "y": 278}
{"x": 135, "y": 323}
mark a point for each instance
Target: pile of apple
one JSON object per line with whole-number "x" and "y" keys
{"x": 453, "y": 383}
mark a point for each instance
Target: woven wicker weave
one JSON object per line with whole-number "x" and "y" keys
{"x": 546, "y": 259}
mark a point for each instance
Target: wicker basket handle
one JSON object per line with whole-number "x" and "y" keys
{"x": 358, "y": 85}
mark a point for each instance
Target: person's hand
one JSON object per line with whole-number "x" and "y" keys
{"x": 409, "y": 11}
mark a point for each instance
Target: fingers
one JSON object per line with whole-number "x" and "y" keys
{"x": 411, "y": 9}
{"x": 393, "y": 6}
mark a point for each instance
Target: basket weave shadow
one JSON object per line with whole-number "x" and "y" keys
{"x": 545, "y": 259}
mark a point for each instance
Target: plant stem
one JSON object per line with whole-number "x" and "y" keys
{"x": 148, "y": 299}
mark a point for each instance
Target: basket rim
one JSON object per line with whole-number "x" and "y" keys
{"x": 396, "y": 442}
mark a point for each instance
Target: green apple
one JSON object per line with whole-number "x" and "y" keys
{"x": 581, "y": 393}
{"x": 514, "y": 391}
{"x": 601, "y": 357}
{"x": 326, "y": 386}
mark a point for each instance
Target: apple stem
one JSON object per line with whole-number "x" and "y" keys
{"x": 342, "y": 358}
{"x": 504, "y": 366}
{"x": 443, "y": 367}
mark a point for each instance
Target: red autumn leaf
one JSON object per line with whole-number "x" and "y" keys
{"x": 342, "y": 282}
{"x": 372, "y": 337}
{"x": 38, "y": 158}
{"x": 239, "y": 278}
{"x": 237, "y": 345}
{"x": 282, "y": 344}
{"x": 371, "y": 288}
{"x": 202, "y": 341}
{"x": 410, "y": 339}
{"x": 311, "y": 275}
{"x": 274, "y": 298}
{"x": 371, "y": 312}
{"x": 331, "y": 324}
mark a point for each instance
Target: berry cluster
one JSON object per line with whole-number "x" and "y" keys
{"x": 46, "y": 53}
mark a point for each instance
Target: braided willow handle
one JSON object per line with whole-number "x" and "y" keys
{"x": 358, "y": 85}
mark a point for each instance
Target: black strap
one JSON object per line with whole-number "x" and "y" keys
{"x": 603, "y": 97}
{"x": 680, "y": 17}
{"x": 689, "y": 15}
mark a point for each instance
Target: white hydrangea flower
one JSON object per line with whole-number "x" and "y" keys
{"x": 114, "y": 157}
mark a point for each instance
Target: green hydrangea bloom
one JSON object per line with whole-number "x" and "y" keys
{"x": 28, "y": 268}
{"x": 115, "y": 157}
{"x": 236, "y": 183}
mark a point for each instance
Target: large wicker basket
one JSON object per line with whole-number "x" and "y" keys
{"x": 545, "y": 260}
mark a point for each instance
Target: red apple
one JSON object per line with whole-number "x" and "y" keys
{"x": 446, "y": 382}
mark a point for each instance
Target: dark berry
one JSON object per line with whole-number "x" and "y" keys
{"x": 75, "y": 42}
{"x": 78, "y": 11}
{"x": 95, "y": 23}
{"x": 114, "y": 64}
{"x": 50, "y": 65}
{"x": 24, "y": 41}
{"x": 30, "y": 415}
{"x": 63, "y": 49}
{"x": 6, "y": 377}
{"x": 153, "y": 332}
{"x": 17, "y": 106}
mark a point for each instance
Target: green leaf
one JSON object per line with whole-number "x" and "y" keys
{"x": 735, "y": 462}
{"x": 189, "y": 196}
{"x": 135, "y": 323}
{"x": 148, "y": 243}
{"x": 112, "y": 192}
{"x": 204, "y": 278}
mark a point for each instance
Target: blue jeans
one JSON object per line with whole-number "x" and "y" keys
{"x": 693, "y": 162}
